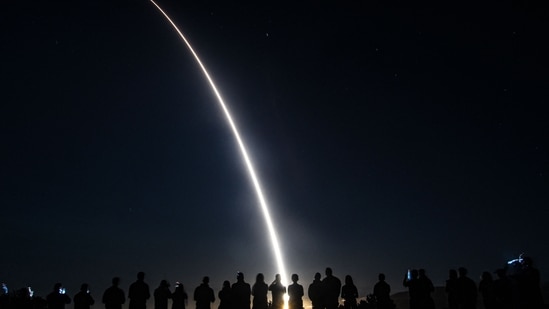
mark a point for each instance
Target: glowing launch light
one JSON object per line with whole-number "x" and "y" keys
{"x": 249, "y": 165}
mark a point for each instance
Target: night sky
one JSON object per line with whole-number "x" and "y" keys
{"x": 386, "y": 137}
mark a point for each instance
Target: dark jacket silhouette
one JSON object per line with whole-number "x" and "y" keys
{"x": 382, "y": 293}
{"x": 315, "y": 292}
{"x": 528, "y": 283}
{"x": 414, "y": 288}
{"x": 139, "y": 293}
{"x": 259, "y": 292}
{"x": 349, "y": 293}
{"x": 241, "y": 293}
{"x": 114, "y": 297}
{"x": 295, "y": 293}
{"x": 161, "y": 295}
{"x": 83, "y": 299}
{"x": 225, "y": 296}
{"x": 179, "y": 297}
{"x": 467, "y": 290}
{"x": 503, "y": 290}
{"x": 451, "y": 289}
{"x": 486, "y": 288}
{"x": 57, "y": 299}
{"x": 204, "y": 295}
{"x": 426, "y": 288}
{"x": 331, "y": 287}
{"x": 277, "y": 293}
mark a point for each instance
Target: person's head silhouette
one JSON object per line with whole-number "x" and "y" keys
{"x": 239, "y": 276}
{"x": 141, "y": 276}
{"x": 317, "y": 276}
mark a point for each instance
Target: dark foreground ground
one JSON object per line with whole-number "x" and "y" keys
{"x": 401, "y": 298}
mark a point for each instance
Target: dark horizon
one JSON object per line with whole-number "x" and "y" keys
{"x": 97, "y": 288}
{"x": 399, "y": 297}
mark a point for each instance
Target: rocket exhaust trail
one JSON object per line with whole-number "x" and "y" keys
{"x": 249, "y": 165}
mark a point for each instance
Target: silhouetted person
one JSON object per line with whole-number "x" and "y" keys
{"x": 39, "y": 303}
{"x": 382, "y": 293}
{"x": 161, "y": 295}
{"x": 427, "y": 288}
{"x": 4, "y": 296}
{"x": 23, "y": 299}
{"x": 277, "y": 293}
{"x": 487, "y": 290}
{"x": 331, "y": 286}
{"x": 513, "y": 269}
{"x": 503, "y": 290}
{"x": 452, "y": 290}
{"x": 467, "y": 290}
{"x": 83, "y": 299}
{"x": 241, "y": 293}
{"x": 139, "y": 293}
{"x": 414, "y": 288}
{"x": 204, "y": 294}
{"x": 349, "y": 293}
{"x": 179, "y": 296}
{"x": 295, "y": 293}
{"x": 57, "y": 299}
{"x": 225, "y": 296}
{"x": 528, "y": 281}
{"x": 259, "y": 292}
{"x": 315, "y": 293}
{"x": 114, "y": 297}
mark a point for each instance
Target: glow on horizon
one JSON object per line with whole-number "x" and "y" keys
{"x": 244, "y": 152}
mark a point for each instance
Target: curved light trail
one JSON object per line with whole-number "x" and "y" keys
{"x": 249, "y": 165}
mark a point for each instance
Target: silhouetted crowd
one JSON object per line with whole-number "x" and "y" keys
{"x": 517, "y": 287}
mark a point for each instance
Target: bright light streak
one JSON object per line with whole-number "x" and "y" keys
{"x": 249, "y": 165}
